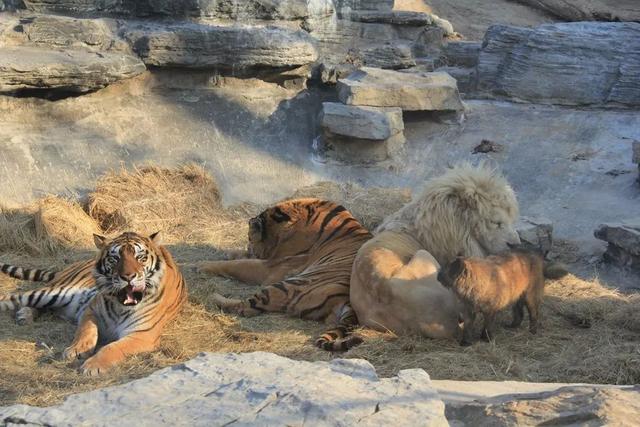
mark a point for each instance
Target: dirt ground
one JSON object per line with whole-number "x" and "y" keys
{"x": 471, "y": 18}
{"x": 589, "y": 333}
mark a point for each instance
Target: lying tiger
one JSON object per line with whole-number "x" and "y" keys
{"x": 302, "y": 252}
{"x": 124, "y": 298}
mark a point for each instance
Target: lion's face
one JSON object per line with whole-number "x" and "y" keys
{"x": 496, "y": 233}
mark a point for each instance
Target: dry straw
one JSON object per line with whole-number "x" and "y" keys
{"x": 589, "y": 333}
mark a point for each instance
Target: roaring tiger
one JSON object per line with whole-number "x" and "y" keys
{"x": 302, "y": 251}
{"x": 124, "y": 298}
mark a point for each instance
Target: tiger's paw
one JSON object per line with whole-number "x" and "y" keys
{"x": 92, "y": 367}
{"x": 25, "y": 316}
{"x": 223, "y": 302}
{"x": 81, "y": 350}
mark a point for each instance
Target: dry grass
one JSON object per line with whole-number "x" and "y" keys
{"x": 589, "y": 333}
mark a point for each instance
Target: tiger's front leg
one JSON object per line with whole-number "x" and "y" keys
{"x": 86, "y": 337}
{"x": 115, "y": 352}
{"x": 273, "y": 298}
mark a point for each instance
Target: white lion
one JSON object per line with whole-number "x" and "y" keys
{"x": 468, "y": 211}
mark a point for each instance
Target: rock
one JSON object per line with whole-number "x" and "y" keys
{"x": 636, "y": 152}
{"x": 536, "y": 231}
{"x": 77, "y": 71}
{"x": 349, "y": 150}
{"x": 461, "y": 53}
{"x": 623, "y": 242}
{"x": 588, "y": 10}
{"x": 567, "y": 406}
{"x": 220, "y": 47}
{"x": 361, "y": 122}
{"x": 252, "y": 389}
{"x": 345, "y": 7}
{"x": 11, "y": 5}
{"x": 373, "y": 43}
{"x": 411, "y": 92}
{"x": 582, "y": 63}
{"x": 49, "y": 31}
{"x": 391, "y": 56}
{"x": 393, "y": 17}
{"x": 465, "y": 77}
{"x": 330, "y": 74}
{"x": 443, "y": 24}
{"x": 234, "y": 9}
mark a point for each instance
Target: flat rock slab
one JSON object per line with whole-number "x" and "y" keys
{"x": 251, "y": 389}
{"x": 624, "y": 234}
{"x": 567, "y": 406}
{"x": 60, "y": 32}
{"x": 361, "y": 122}
{"x": 636, "y": 152}
{"x": 536, "y": 231}
{"x": 245, "y": 9}
{"x": 579, "y": 63}
{"x": 395, "y": 17}
{"x": 226, "y": 47}
{"x": 411, "y": 92}
{"x": 24, "y": 68}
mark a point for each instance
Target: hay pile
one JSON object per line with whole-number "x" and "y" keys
{"x": 46, "y": 227}
{"x": 588, "y": 332}
{"x": 176, "y": 201}
{"x": 369, "y": 205}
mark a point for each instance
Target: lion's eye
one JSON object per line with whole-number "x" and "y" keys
{"x": 498, "y": 224}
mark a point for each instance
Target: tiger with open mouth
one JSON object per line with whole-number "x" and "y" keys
{"x": 122, "y": 299}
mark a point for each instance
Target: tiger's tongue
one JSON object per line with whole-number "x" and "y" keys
{"x": 130, "y": 298}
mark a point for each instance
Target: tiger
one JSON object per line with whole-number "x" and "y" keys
{"x": 122, "y": 299}
{"x": 301, "y": 251}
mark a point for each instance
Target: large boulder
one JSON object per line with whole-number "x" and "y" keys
{"x": 76, "y": 71}
{"x": 411, "y": 92}
{"x": 589, "y": 10}
{"x": 361, "y": 122}
{"x": 567, "y": 406}
{"x": 582, "y": 63}
{"x": 623, "y": 240}
{"x": 251, "y": 389}
{"x": 236, "y": 9}
{"x": 60, "y": 32}
{"x": 222, "y": 47}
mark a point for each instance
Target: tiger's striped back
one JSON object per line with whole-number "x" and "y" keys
{"x": 312, "y": 244}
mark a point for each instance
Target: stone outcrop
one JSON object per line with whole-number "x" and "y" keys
{"x": 235, "y": 9}
{"x": 361, "y": 122}
{"x": 636, "y": 156}
{"x": 623, "y": 240}
{"x": 410, "y": 92}
{"x": 536, "y": 231}
{"x": 60, "y": 32}
{"x": 356, "y": 134}
{"x": 567, "y": 406}
{"x": 582, "y": 63}
{"x": 252, "y": 389}
{"x": 76, "y": 71}
{"x": 588, "y": 10}
{"x": 235, "y": 48}
{"x": 393, "y": 17}
{"x": 461, "y": 53}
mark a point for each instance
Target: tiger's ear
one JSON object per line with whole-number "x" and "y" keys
{"x": 100, "y": 241}
{"x": 155, "y": 238}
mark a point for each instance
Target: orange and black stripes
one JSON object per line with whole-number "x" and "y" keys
{"x": 326, "y": 237}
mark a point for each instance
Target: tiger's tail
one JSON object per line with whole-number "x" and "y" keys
{"x": 339, "y": 338}
{"x": 31, "y": 274}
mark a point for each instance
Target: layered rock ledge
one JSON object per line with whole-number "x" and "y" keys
{"x": 581, "y": 63}
{"x": 251, "y": 389}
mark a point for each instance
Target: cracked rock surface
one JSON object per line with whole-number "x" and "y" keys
{"x": 251, "y": 389}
